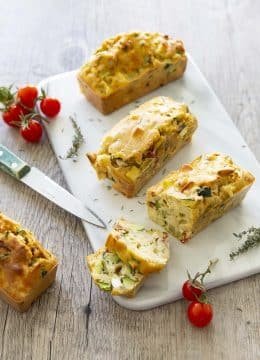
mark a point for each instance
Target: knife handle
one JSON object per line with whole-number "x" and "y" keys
{"x": 12, "y": 164}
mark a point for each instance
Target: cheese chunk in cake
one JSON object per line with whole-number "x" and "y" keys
{"x": 138, "y": 145}
{"x": 113, "y": 275}
{"x": 130, "y": 65}
{"x": 26, "y": 268}
{"x": 144, "y": 250}
{"x": 190, "y": 198}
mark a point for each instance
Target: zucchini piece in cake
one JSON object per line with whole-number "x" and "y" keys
{"x": 138, "y": 145}
{"x": 112, "y": 275}
{"x": 190, "y": 198}
{"x": 143, "y": 249}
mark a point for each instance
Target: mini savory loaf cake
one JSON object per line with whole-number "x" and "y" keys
{"x": 112, "y": 275}
{"x": 144, "y": 250}
{"x": 190, "y": 198}
{"x": 26, "y": 268}
{"x": 138, "y": 145}
{"x": 128, "y": 66}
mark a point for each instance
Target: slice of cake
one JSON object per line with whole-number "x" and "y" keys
{"x": 143, "y": 249}
{"x": 113, "y": 275}
{"x": 190, "y": 198}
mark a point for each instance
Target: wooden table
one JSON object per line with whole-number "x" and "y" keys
{"x": 39, "y": 39}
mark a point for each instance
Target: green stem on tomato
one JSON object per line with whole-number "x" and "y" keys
{"x": 207, "y": 271}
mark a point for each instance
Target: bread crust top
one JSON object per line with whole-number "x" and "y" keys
{"x": 127, "y": 56}
{"x": 214, "y": 172}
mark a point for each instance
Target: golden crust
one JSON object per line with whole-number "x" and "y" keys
{"x": 138, "y": 145}
{"x": 26, "y": 268}
{"x": 128, "y": 66}
{"x": 190, "y": 198}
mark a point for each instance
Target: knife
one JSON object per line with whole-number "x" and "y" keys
{"x": 38, "y": 181}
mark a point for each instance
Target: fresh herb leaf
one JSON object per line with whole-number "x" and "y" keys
{"x": 204, "y": 191}
{"x": 252, "y": 240}
{"x": 77, "y": 141}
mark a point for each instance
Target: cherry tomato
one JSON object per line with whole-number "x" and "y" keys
{"x": 200, "y": 314}
{"x": 27, "y": 96}
{"x": 189, "y": 291}
{"x": 12, "y": 116}
{"x": 31, "y": 131}
{"x": 50, "y": 107}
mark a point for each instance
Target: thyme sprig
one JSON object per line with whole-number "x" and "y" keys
{"x": 77, "y": 141}
{"x": 252, "y": 236}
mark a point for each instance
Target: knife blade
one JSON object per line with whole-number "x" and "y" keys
{"x": 38, "y": 181}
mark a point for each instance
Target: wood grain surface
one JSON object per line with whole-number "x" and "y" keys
{"x": 73, "y": 320}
